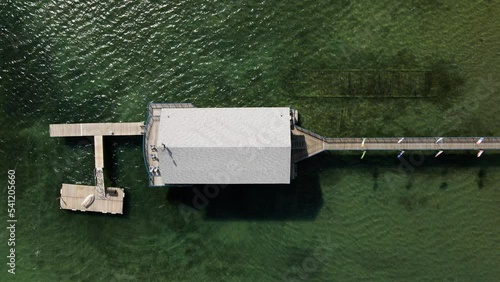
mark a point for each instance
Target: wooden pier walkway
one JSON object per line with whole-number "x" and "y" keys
{"x": 98, "y": 151}
{"x": 96, "y": 129}
{"x": 306, "y": 144}
{"x": 107, "y": 200}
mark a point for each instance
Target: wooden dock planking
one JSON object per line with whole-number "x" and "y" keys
{"x": 311, "y": 144}
{"x": 308, "y": 147}
{"x": 93, "y": 129}
{"x": 107, "y": 200}
{"x": 98, "y": 151}
{"x": 72, "y": 196}
{"x": 433, "y": 146}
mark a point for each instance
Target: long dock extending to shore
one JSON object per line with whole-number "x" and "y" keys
{"x": 307, "y": 144}
{"x": 105, "y": 200}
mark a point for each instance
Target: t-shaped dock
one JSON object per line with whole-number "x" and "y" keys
{"x": 105, "y": 200}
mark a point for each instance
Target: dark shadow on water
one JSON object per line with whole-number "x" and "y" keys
{"x": 127, "y": 203}
{"x": 413, "y": 162}
{"x": 481, "y": 175}
{"x": 79, "y": 142}
{"x": 377, "y": 160}
{"x": 112, "y": 145}
{"x": 300, "y": 200}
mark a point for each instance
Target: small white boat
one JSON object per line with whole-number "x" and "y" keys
{"x": 89, "y": 200}
{"x": 438, "y": 153}
{"x": 480, "y": 153}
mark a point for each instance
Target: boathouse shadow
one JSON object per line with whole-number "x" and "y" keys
{"x": 419, "y": 162}
{"x": 80, "y": 142}
{"x": 112, "y": 145}
{"x": 410, "y": 162}
{"x": 302, "y": 199}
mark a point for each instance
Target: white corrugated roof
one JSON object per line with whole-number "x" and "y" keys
{"x": 225, "y": 145}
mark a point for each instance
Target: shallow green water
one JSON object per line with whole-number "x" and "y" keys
{"x": 343, "y": 219}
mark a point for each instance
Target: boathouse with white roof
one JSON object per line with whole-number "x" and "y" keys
{"x": 221, "y": 146}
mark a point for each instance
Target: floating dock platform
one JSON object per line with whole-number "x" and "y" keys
{"x": 73, "y": 195}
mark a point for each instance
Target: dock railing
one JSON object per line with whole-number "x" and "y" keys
{"x": 149, "y": 125}
{"x": 152, "y": 118}
{"x": 412, "y": 140}
{"x": 310, "y": 133}
{"x": 388, "y": 140}
{"x": 152, "y": 106}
